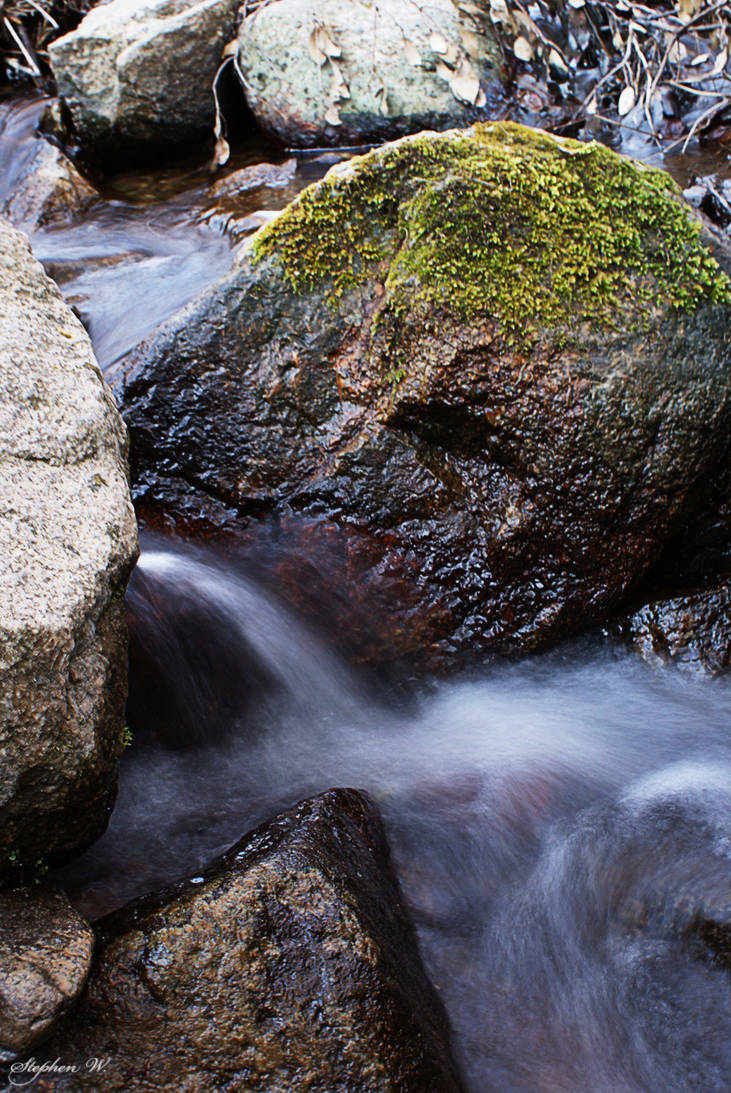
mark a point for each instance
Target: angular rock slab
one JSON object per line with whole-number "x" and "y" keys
{"x": 45, "y": 956}
{"x": 68, "y": 540}
{"x": 488, "y": 398}
{"x": 287, "y": 966}
{"x": 142, "y": 72}
{"x": 321, "y": 72}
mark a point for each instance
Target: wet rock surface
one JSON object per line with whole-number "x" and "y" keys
{"x": 288, "y": 965}
{"x": 67, "y": 541}
{"x": 47, "y": 189}
{"x": 45, "y": 955}
{"x": 346, "y": 71}
{"x": 138, "y": 73}
{"x": 491, "y": 420}
{"x": 692, "y": 631}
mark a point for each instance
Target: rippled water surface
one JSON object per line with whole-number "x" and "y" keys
{"x": 558, "y": 826}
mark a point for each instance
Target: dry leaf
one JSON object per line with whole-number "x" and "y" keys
{"x": 221, "y": 152}
{"x": 626, "y": 101}
{"x": 332, "y": 115}
{"x": 411, "y": 53}
{"x": 444, "y": 72}
{"x": 556, "y": 61}
{"x": 471, "y": 43}
{"x": 438, "y": 43}
{"x": 382, "y": 96}
{"x": 230, "y": 48}
{"x": 464, "y": 83}
{"x": 321, "y": 46}
{"x": 522, "y": 49}
{"x": 338, "y": 87}
{"x": 721, "y": 62}
{"x": 315, "y": 52}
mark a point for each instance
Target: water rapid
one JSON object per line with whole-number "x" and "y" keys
{"x": 561, "y": 827}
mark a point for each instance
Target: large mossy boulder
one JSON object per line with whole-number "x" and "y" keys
{"x": 68, "y": 540}
{"x": 321, "y": 72}
{"x": 491, "y": 365}
{"x": 134, "y": 74}
{"x": 288, "y": 966}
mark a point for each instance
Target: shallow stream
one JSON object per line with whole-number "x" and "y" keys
{"x": 561, "y": 827}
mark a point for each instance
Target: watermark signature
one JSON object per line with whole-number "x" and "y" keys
{"x": 26, "y": 1071}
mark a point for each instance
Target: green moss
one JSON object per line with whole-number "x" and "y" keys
{"x": 501, "y": 220}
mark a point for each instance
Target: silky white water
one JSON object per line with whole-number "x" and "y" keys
{"x": 561, "y": 827}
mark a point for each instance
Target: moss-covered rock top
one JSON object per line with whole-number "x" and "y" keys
{"x": 502, "y": 220}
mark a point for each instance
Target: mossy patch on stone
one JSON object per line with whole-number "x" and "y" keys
{"x": 500, "y": 220}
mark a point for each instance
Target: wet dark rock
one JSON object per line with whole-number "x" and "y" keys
{"x": 289, "y": 965}
{"x": 49, "y": 190}
{"x": 692, "y": 631}
{"x": 495, "y": 413}
{"x": 235, "y": 201}
{"x": 699, "y": 553}
{"x": 45, "y": 956}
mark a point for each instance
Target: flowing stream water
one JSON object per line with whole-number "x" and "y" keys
{"x": 561, "y": 827}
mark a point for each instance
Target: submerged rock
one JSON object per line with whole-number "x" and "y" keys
{"x": 143, "y": 72}
{"x": 348, "y": 71}
{"x": 67, "y": 542}
{"x": 45, "y": 956}
{"x": 693, "y": 631}
{"x": 490, "y": 367}
{"x": 289, "y": 965}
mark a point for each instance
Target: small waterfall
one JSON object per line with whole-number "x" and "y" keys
{"x": 561, "y": 827}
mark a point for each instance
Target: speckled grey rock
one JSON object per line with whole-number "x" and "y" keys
{"x": 68, "y": 540}
{"x": 142, "y": 71}
{"x": 45, "y": 956}
{"x": 390, "y": 72}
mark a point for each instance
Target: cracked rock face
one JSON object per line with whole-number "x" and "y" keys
{"x": 45, "y": 956}
{"x": 287, "y": 967}
{"x": 68, "y": 540}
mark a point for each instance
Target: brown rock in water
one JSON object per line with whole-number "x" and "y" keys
{"x": 288, "y": 966}
{"x": 45, "y": 956}
{"x": 455, "y": 371}
{"x": 692, "y": 631}
{"x": 50, "y": 190}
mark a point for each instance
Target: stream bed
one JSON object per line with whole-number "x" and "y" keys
{"x": 561, "y": 827}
